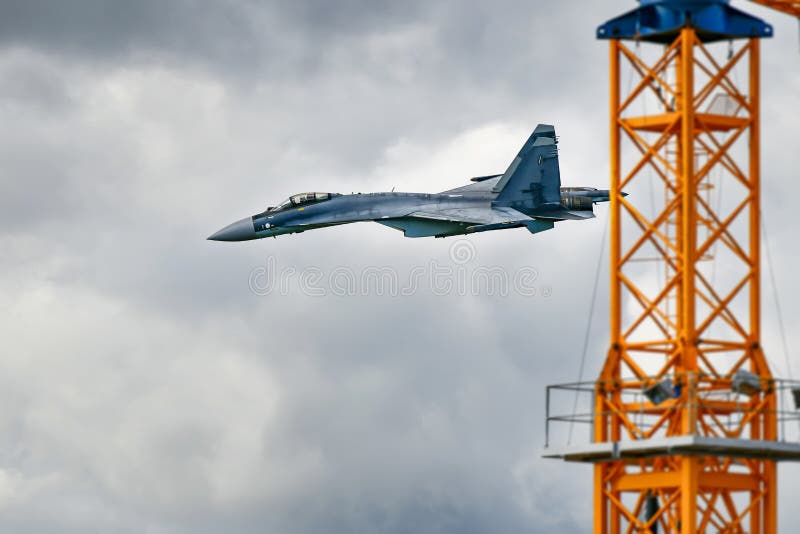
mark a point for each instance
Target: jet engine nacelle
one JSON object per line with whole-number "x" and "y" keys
{"x": 576, "y": 203}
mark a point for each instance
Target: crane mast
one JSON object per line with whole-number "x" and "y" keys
{"x": 686, "y": 410}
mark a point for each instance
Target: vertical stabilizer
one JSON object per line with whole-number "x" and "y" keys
{"x": 532, "y": 180}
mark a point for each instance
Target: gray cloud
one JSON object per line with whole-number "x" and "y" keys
{"x": 145, "y": 388}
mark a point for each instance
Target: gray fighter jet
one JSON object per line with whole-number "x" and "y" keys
{"x": 528, "y": 194}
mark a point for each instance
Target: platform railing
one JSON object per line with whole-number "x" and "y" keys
{"x": 714, "y": 407}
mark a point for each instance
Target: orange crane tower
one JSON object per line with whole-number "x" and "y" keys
{"x": 686, "y": 410}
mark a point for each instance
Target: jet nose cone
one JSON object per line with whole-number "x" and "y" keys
{"x": 239, "y": 231}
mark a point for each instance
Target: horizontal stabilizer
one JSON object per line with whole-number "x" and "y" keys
{"x": 496, "y": 226}
{"x": 480, "y": 184}
{"x": 536, "y": 225}
{"x": 559, "y": 215}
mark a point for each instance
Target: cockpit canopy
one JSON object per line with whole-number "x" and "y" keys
{"x": 301, "y": 199}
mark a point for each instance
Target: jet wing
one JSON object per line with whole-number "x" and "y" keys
{"x": 473, "y": 216}
{"x": 456, "y": 221}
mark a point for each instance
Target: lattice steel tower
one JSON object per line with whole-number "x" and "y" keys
{"x": 685, "y": 408}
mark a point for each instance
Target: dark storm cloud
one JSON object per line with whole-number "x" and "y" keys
{"x": 232, "y": 36}
{"x": 115, "y": 30}
{"x": 262, "y": 41}
{"x": 109, "y": 28}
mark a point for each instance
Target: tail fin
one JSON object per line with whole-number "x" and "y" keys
{"x": 532, "y": 179}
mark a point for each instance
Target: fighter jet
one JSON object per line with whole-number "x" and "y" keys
{"x": 528, "y": 195}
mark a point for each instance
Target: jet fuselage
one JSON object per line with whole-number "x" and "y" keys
{"x": 528, "y": 194}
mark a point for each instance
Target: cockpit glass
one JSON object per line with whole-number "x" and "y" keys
{"x": 282, "y": 206}
{"x": 300, "y": 200}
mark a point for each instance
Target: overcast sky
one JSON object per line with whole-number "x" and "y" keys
{"x": 148, "y": 383}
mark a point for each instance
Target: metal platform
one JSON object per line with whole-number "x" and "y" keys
{"x": 680, "y": 445}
